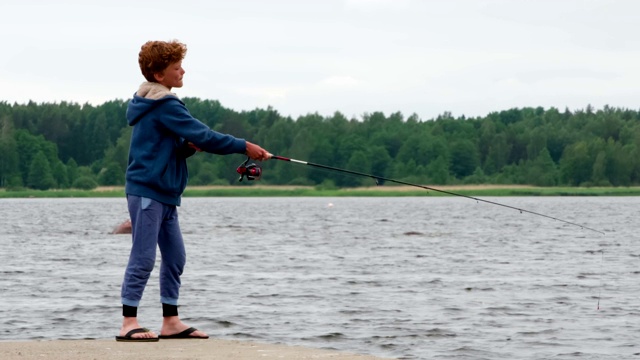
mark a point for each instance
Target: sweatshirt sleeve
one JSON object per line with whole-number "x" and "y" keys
{"x": 177, "y": 119}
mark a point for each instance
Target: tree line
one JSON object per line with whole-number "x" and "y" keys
{"x": 68, "y": 145}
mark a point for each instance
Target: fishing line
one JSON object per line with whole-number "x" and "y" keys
{"x": 252, "y": 171}
{"x": 379, "y": 179}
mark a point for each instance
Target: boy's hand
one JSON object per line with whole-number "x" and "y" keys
{"x": 255, "y": 152}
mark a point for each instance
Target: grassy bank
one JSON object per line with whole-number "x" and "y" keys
{"x": 279, "y": 191}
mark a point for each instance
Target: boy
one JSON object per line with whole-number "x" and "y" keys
{"x": 164, "y": 135}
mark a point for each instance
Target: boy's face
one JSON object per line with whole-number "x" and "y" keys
{"x": 171, "y": 76}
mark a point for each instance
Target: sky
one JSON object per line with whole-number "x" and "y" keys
{"x": 418, "y": 57}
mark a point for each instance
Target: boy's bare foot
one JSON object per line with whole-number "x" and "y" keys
{"x": 131, "y": 323}
{"x": 172, "y": 325}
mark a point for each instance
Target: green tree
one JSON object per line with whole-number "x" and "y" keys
{"x": 542, "y": 171}
{"x": 379, "y": 160}
{"x": 40, "y": 176}
{"x": 119, "y": 153}
{"x": 620, "y": 163}
{"x": 28, "y": 146}
{"x": 497, "y": 155}
{"x": 72, "y": 170}
{"x": 537, "y": 143}
{"x": 478, "y": 177}
{"x": 358, "y": 162}
{"x": 586, "y": 147}
{"x": 321, "y": 154}
{"x": 8, "y": 152}
{"x": 599, "y": 173}
{"x": 59, "y": 172}
{"x": 438, "y": 171}
{"x": 464, "y": 158}
{"x": 85, "y": 183}
{"x": 111, "y": 175}
{"x": 207, "y": 174}
{"x": 576, "y": 164}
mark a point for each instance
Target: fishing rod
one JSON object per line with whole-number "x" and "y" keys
{"x": 253, "y": 172}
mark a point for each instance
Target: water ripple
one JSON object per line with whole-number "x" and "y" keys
{"x": 410, "y": 278}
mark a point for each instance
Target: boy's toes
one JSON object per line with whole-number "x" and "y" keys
{"x": 137, "y": 334}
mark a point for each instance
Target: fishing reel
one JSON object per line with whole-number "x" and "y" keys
{"x": 251, "y": 171}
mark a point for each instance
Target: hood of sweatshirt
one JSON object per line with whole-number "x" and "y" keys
{"x": 148, "y": 96}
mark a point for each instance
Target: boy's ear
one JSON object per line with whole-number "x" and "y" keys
{"x": 158, "y": 76}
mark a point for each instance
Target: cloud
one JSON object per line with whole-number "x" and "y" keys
{"x": 376, "y": 4}
{"x": 264, "y": 93}
{"x": 339, "y": 81}
{"x": 355, "y": 56}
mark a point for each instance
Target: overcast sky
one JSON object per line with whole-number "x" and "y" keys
{"x": 467, "y": 57}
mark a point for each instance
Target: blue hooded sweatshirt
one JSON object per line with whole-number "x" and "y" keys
{"x": 162, "y": 127}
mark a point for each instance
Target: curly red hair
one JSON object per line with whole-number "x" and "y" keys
{"x": 155, "y": 56}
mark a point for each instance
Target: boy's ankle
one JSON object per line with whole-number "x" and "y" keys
{"x": 169, "y": 310}
{"x": 168, "y": 320}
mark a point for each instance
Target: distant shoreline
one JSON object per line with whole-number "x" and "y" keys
{"x": 379, "y": 191}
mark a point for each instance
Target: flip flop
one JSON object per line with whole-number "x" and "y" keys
{"x": 128, "y": 337}
{"x": 184, "y": 335}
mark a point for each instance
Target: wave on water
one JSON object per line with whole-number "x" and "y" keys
{"x": 406, "y": 278}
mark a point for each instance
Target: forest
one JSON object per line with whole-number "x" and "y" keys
{"x": 69, "y": 145}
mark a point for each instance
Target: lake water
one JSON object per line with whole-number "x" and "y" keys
{"x": 410, "y": 278}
